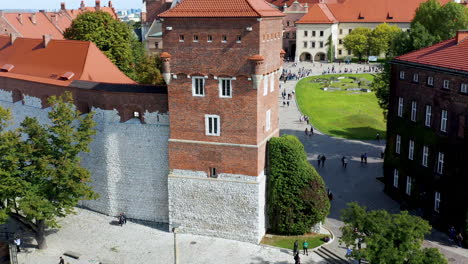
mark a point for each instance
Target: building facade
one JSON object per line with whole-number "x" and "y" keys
{"x": 426, "y": 159}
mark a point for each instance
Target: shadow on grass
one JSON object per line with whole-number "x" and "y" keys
{"x": 359, "y": 133}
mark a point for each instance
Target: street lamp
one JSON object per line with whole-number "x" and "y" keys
{"x": 175, "y": 228}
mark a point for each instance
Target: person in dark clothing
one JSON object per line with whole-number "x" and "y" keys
{"x": 296, "y": 247}
{"x": 319, "y": 159}
{"x": 365, "y": 158}
{"x": 330, "y": 195}
{"x": 311, "y": 130}
{"x": 362, "y": 158}
{"x": 297, "y": 259}
{"x": 61, "y": 261}
{"x": 323, "y": 159}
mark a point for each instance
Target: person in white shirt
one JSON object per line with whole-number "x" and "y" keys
{"x": 18, "y": 244}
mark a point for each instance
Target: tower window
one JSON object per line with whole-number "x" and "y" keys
{"x": 313, "y": 44}
{"x": 210, "y": 38}
{"x": 464, "y": 88}
{"x": 198, "y": 86}
{"x": 440, "y": 163}
{"x": 136, "y": 114}
{"x": 225, "y": 88}
{"x": 341, "y": 31}
{"x": 446, "y": 84}
{"x": 224, "y": 39}
{"x": 395, "y": 178}
{"x": 239, "y": 39}
{"x": 305, "y": 44}
{"x": 195, "y": 38}
{"x": 430, "y": 81}
{"x": 212, "y": 125}
{"x": 321, "y": 33}
{"x": 268, "y": 120}
{"x": 340, "y": 52}
{"x": 409, "y": 183}
{"x": 437, "y": 201}
{"x": 181, "y": 38}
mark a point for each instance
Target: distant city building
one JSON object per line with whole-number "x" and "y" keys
{"x": 37, "y": 24}
{"x": 151, "y": 29}
{"x": 426, "y": 158}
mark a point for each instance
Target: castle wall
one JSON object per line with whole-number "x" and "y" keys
{"x": 128, "y": 160}
{"x": 230, "y": 206}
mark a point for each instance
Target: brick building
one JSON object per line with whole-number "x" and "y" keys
{"x": 35, "y": 25}
{"x": 426, "y": 161}
{"x": 201, "y": 167}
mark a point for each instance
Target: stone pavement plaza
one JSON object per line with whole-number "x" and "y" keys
{"x": 92, "y": 235}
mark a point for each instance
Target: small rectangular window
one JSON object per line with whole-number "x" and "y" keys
{"x": 395, "y": 178}
{"x": 430, "y": 81}
{"x": 437, "y": 201}
{"x": 321, "y": 33}
{"x": 413, "y": 110}
{"x": 212, "y": 125}
{"x": 464, "y": 88}
{"x": 305, "y": 33}
{"x": 268, "y": 120}
{"x": 224, "y": 40}
{"x": 195, "y": 38}
{"x": 340, "y": 52}
{"x": 225, "y": 88}
{"x": 425, "y": 156}
{"x": 213, "y": 173}
{"x": 305, "y": 44}
{"x": 321, "y": 44}
{"x": 446, "y": 84}
{"x": 400, "y": 107}
{"x": 341, "y": 31}
{"x": 198, "y": 86}
{"x": 415, "y": 77}
{"x": 265, "y": 85}
{"x": 443, "y": 121}
{"x": 313, "y": 33}
{"x": 239, "y": 39}
{"x": 409, "y": 183}
{"x": 402, "y": 75}
{"x": 428, "y": 118}
{"x": 313, "y": 44}
{"x": 398, "y": 144}
{"x": 181, "y": 38}
{"x": 411, "y": 150}
{"x": 349, "y": 31}
{"x": 440, "y": 163}
{"x": 136, "y": 114}
{"x": 340, "y": 41}
{"x": 210, "y": 38}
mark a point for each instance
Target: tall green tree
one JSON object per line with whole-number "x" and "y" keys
{"x": 42, "y": 178}
{"x": 381, "y": 86}
{"x": 296, "y": 193}
{"x": 380, "y": 237}
{"x": 358, "y": 41}
{"x": 381, "y": 38}
{"x": 330, "y": 49}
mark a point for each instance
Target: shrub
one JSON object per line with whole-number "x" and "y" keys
{"x": 297, "y": 198}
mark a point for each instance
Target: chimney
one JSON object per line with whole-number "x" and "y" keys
{"x": 82, "y": 5}
{"x": 46, "y": 39}
{"x": 20, "y": 18}
{"x": 98, "y": 5}
{"x": 54, "y": 18}
{"x": 461, "y": 35}
{"x": 110, "y": 4}
{"x": 13, "y": 37}
{"x": 62, "y": 6}
{"x": 33, "y": 18}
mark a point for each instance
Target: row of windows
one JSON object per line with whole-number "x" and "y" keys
{"x": 213, "y": 124}
{"x": 349, "y": 31}
{"x": 409, "y": 188}
{"x": 425, "y": 154}
{"x": 209, "y": 38}
{"x": 312, "y": 44}
{"x": 268, "y": 80}
{"x": 306, "y": 33}
{"x": 430, "y": 82}
{"x": 224, "y": 84}
{"x": 287, "y": 35}
{"x": 428, "y": 114}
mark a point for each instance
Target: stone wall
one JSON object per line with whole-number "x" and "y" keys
{"x": 230, "y": 206}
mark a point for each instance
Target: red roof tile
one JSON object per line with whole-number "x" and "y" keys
{"x": 23, "y": 24}
{"x": 447, "y": 54}
{"x": 318, "y": 14}
{"x": 223, "y": 8}
{"x": 82, "y": 58}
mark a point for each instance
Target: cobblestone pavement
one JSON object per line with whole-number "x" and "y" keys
{"x": 358, "y": 182}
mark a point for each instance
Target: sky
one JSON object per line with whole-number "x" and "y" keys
{"x": 70, "y": 4}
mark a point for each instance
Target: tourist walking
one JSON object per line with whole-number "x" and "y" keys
{"x": 362, "y": 158}
{"x": 287, "y": 103}
{"x": 297, "y": 259}
{"x": 319, "y": 159}
{"x": 61, "y": 261}
{"x": 344, "y": 162}
{"x": 305, "y": 246}
{"x": 311, "y": 130}
{"x": 452, "y": 233}
{"x": 330, "y": 195}
{"x": 296, "y": 247}
{"x": 18, "y": 244}
{"x": 323, "y": 159}
{"x": 365, "y": 158}
{"x": 378, "y": 137}
{"x": 306, "y": 132}
{"x": 459, "y": 239}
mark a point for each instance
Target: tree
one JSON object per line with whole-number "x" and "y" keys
{"x": 381, "y": 38}
{"x": 148, "y": 70}
{"x": 381, "y": 86}
{"x": 380, "y": 237}
{"x": 297, "y": 198}
{"x": 42, "y": 178}
{"x": 358, "y": 41}
{"x": 331, "y": 49}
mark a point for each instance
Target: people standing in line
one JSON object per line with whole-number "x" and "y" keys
{"x": 296, "y": 247}
{"x": 305, "y": 246}
{"x": 18, "y": 244}
{"x": 319, "y": 159}
{"x": 323, "y": 159}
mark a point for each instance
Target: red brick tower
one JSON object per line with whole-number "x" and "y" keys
{"x": 221, "y": 64}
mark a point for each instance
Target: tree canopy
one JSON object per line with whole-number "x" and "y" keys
{"x": 381, "y": 38}
{"x": 41, "y": 175}
{"x": 380, "y": 237}
{"x": 358, "y": 41}
{"x": 297, "y": 198}
{"x": 117, "y": 40}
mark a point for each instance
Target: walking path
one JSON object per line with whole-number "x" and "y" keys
{"x": 358, "y": 182}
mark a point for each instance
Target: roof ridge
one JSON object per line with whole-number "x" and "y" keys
{"x": 327, "y": 12}
{"x": 85, "y": 63}
{"x": 248, "y": 2}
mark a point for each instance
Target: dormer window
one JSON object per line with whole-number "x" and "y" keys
{"x": 389, "y": 16}
{"x": 136, "y": 114}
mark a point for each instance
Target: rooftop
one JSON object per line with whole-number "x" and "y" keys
{"x": 222, "y": 8}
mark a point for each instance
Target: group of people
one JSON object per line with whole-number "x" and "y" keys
{"x": 305, "y": 247}
{"x": 321, "y": 158}
{"x": 456, "y": 237}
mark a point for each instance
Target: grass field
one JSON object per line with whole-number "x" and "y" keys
{"x": 314, "y": 240}
{"x": 341, "y": 113}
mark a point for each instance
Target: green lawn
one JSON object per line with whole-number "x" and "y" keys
{"x": 341, "y": 113}
{"x": 314, "y": 240}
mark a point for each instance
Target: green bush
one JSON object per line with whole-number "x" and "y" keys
{"x": 297, "y": 198}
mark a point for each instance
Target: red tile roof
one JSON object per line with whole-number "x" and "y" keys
{"x": 33, "y": 61}
{"x": 447, "y": 54}
{"x": 363, "y": 11}
{"x": 222, "y": 8}
{"x": 23, "y": 24}
{"x": 318, "y": 14}
{"x": 280, "y": 3}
